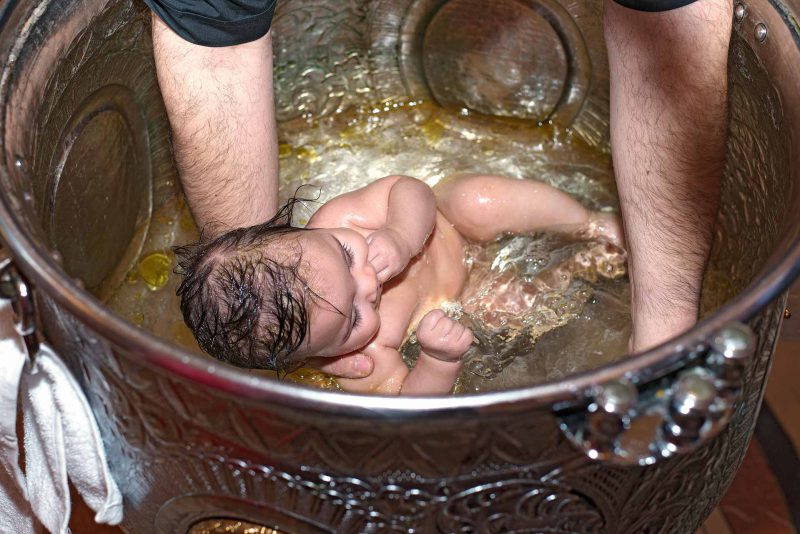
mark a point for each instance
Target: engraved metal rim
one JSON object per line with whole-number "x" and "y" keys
{"x": 36, "y": 263}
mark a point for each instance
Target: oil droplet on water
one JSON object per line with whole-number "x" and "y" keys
{"x": 313, "y": 378}
{"x": 185, "y": 219}
{"x": 307, "y": 153}
{"x": 154, "y": 269}
{"x": 351, "y": 131}
{"x": 181, "y": 333}
{"x": 433, "y": 130}
{"x": 285, "y": 150}
{"x": 137, "y": 318}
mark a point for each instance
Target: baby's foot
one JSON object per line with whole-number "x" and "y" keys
{"x": 605, "y": 227}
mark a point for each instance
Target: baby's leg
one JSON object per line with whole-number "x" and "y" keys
{"x": 481, "y": 207}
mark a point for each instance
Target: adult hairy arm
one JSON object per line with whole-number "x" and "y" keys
{"x": 220, "y": 105}
{"x": 221, "y": 109}
{"x": 668, "y": 122}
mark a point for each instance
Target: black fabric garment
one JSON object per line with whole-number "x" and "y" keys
{"x": 231, "y": 22}
{"x": 654, "y": 5}
{"x": 216, "y": 22}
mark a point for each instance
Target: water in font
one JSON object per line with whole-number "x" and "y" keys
{"x": 579, "y": 323}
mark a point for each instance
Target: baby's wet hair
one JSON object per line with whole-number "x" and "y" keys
{"x": 243, "y": 305}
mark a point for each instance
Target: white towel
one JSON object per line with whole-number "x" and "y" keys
{"x": 15, "y": 512}
{"x": 61, "y": 440}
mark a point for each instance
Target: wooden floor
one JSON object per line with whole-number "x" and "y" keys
{"x": 765, "y": 496}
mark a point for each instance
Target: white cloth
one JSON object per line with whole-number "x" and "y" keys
{"x": 15, "y": 512}
{"x": 61, "y": 440}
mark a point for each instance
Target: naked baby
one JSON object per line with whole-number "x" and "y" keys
{"x": 369, "y": 264}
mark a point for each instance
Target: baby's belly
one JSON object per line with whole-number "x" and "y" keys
{"x": 442, "y": 269}
{"x": 438, "y": 274}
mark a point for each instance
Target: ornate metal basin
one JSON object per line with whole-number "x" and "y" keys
{"x": 85, "y": 161}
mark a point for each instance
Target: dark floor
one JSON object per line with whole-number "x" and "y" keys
{"x": 765, "y": 496}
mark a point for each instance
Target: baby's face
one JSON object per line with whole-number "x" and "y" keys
{"x": 339, "y": 271}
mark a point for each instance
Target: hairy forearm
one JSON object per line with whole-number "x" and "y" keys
{"x": 221, "y": 109}
{"x": 669, "y": 116}
{"x": 411, "y": 212}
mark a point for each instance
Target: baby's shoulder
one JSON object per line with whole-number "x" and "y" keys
{"x": 339, "y": 213}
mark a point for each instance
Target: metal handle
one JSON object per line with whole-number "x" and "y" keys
{"x": 15, "y": 288}
{"x": 628, "y": 424}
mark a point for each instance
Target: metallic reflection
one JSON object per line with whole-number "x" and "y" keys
{"x": 230, "y": 526}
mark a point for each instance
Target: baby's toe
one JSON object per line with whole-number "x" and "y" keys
{"x": 607, "y": 226}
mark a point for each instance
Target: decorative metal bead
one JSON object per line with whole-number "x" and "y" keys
{"x": 761, "y": 32}
{"x": 731, "y": 349}
{"x": 734, "y": 342}
{"x": 739, "y": 12}
{"x": 609, "y": 415}
{"x": 689, "y": 410}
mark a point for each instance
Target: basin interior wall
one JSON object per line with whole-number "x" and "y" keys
{"x": 86, "y": 161}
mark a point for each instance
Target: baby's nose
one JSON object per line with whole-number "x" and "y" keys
{"x": 372, "y": 288}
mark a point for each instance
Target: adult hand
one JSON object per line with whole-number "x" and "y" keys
{"x": 355, "y": 365}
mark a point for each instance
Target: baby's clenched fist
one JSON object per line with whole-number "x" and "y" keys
{"x": 443, "y": 338}
{"x": 388, "y": 253}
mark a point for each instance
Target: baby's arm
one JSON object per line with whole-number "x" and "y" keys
{"x": 399, "y": 212}
{"x": 442, "y": 342}
{"x": 410, "y": 217}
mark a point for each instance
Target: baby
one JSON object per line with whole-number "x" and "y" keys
{"x": 368, "y": 264}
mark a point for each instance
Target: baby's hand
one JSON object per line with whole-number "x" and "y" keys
{"x": 388, "y": 253}
{"x": 443, "y": 338}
